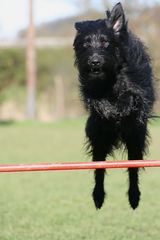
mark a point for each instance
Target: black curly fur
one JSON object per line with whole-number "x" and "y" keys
{"x": 116, "y": 84}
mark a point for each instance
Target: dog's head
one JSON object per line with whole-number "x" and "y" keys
{"x": 97, "y": 42}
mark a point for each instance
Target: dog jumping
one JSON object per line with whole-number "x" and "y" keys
{"x": 116, "y": 85}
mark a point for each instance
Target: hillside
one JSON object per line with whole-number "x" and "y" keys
{"x": 62, "y": 27}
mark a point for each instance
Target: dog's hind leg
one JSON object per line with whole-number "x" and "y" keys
{"x": 135, "y": 142}
{"x": 100, "y": 140}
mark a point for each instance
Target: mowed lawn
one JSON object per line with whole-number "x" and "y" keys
{"x": 58, "y": 205}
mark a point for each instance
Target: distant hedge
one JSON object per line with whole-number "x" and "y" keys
{"x": 50, "y": 62}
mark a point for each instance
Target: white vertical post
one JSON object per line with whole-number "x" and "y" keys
{"x": 31, "y": 65}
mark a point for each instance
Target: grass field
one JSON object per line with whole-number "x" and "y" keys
{"x": 58, "y": 205}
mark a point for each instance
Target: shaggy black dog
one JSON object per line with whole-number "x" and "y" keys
{"x": 116, "y": 84}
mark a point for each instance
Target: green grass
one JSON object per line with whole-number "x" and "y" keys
{"x": 58, "y": 205}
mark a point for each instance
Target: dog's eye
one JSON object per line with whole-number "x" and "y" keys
{"x": 86, "y": 44}
{"x": 104, "y": 43}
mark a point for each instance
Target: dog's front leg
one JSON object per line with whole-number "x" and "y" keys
{"x": 134, "y": 136}
{"x": 101, "y": 137}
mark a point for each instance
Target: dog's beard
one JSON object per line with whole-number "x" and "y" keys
{"x": 96, "y": 74}
{"x": 96, "y": 70}
{"x": 91, "y": 74}
{"x": 89, "y": 71}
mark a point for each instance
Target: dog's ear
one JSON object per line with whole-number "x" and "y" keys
{"x": 78, "y": 26}
{"x": 117, "y": 18}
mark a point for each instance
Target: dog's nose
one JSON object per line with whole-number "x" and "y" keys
{"x": 95, "y": 62}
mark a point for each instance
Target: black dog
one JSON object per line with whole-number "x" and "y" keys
{"x": 116, "y": 84}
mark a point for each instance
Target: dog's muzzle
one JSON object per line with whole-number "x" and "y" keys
{"x": 95, "y": 63}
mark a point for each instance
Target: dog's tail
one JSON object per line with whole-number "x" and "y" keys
{"x": 98, "y": 192}
{"x": 133, "y": 192}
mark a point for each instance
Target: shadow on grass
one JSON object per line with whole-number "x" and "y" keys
{"x": 6, "y": 123}
{"x": 36, "y": 122}
{"x": 154, "y": 121}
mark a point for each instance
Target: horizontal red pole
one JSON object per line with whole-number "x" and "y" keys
{"x": 78, "y": 165}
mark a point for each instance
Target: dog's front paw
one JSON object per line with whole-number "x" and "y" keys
{"x": 98, "y": 196}
{"x": 134, "y": 197}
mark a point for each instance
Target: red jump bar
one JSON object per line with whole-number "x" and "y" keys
{"x": 78, "y": 165}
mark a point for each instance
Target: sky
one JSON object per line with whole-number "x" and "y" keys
{"x": 13, "y": 13}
